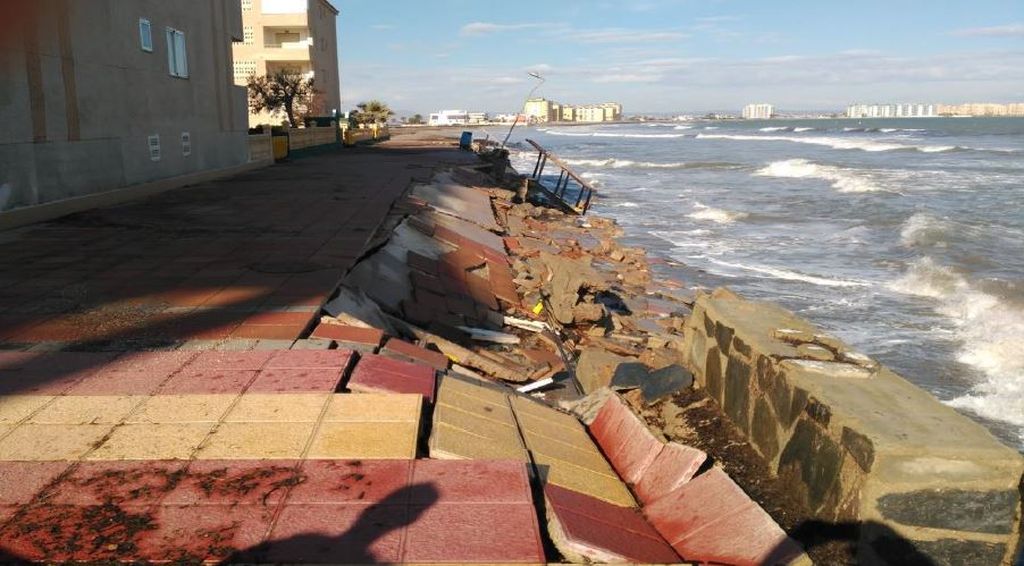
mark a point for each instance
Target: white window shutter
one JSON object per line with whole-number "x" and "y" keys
{"x": 170, "y": 53}
{"x": 181, "y": 54}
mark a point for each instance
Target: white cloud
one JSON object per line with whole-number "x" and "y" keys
{"x": 1008, "y": 30}
{"x": 620, "y": 35}
{"x": 628, "y": 78}
{"x": 486, "y": 28}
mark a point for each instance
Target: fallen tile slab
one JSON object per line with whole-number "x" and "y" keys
{"x": 704, "y": 518}
{"x": 625, "y": 439}
{"x": 369, "y": 339}
{"x": 673, "y": 467}
{"x": 449, "y": 442}
{"x": 379, "y": 374}
{"x": 604, "y": 486}
{"x": 587, "y": 529}
{"x": 404, "y": 350}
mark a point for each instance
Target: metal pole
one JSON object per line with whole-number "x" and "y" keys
{"x": 528, "y": 97}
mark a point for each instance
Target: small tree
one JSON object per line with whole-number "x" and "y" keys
{"x": 373, "y": 112}
{"x": 282, "y": 91}
{"x": 416, "y": 119}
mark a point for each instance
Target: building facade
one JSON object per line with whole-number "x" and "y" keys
{"x": 449, "y": 118}
{"x": 542, "y": 110}
{"x": 295, "y": 35}
{"x": 758, "y": 111}
{"x": 107, "y": 94}
{"x": 980, "y": 109}
{"x": 901, "y": 110}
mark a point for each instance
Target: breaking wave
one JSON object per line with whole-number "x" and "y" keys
{"x": 611, "y": 135}
{"x": 836, "y": 143}
{"x": 615, "y": 163}
{"x": 716, "y": 215}
{"x": 788, "y": 275}
{"x": 990, "y": 330}
{"x": 842, "y": 180}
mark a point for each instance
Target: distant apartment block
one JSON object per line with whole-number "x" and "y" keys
{"x": 981, "y": 109}
{"x": 544, "y": 110}
{"x": 449, "y": 118}
{"x": 297, "y": 35}
{"x": 758, "y": 111}
{"x": 109, "y": 94}
{"x": 916, "y": 110}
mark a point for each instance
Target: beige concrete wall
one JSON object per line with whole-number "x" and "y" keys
{"x": 853, "y": 440}
{"x": 316, "y": 20}
{"x": 79, "y": 97}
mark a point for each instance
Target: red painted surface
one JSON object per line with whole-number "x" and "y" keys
{"x": 309, "y": 359}
{"x": 328, "y": 533}
{"x": 501, "y": 532}
{"x": 325, "y": 380}
{"x": 20, "y": 481}
{"x": 234, "y": 482}
{"x": 368, "y": 336}
{"x": 207, "y": 381}
{"x": 351, "y": 481}
{"x": 474, "y": 481}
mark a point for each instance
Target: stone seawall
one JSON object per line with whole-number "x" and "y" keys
{"x": 856, "y": 442}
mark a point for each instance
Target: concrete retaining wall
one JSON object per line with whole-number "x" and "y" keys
{"x": 854, "y": 440}
{"x": 261, "y": 148}
{"x": 301, "y": 138}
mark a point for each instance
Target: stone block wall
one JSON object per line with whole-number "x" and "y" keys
{"x": 854, "y": 441}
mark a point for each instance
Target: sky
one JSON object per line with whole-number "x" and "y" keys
{"x": 675, "y": 56}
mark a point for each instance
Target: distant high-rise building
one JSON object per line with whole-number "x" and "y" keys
{"x": 544, "y": 110}
{"x": 981, "y": 109}
{"x": 758, "y": 111}
{"x": 901, "y": 110}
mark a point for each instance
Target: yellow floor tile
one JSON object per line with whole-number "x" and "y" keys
{"x": 577, "y": 435}
{"x": 583, "y": 480}
{"x": 256, "y": 440}
{"x": 493, "y": 411}
{"x": 480, "y": 426}
{"x": 152, "y": 441}
{"x": 278, "y": 407}
{"x": 51, "y": 442}
{"x": 376, "y": 407}
{"x": 15, "y": 408}
{"x": 532, "y": 411}
{"x": 87, "y": 409}
{"x": 448, "y": 442}
{"x": 585, "y": 456}
{"x": 481, "y": 392}
{"x": 182, "y": 409}
{"x": 383, "y": 440}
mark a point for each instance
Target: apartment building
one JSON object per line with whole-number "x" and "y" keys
{"x": 761, "y": 111}
{"x": 543, "y": 110}
{"x": 297, "y": 35}
{"x": 900, "y": 110}
{"x": 981, "y": 109}
{"x": 108, "y": 94}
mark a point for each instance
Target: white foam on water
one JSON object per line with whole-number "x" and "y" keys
{"x": 990, "y": 330}
{"x": 833, "y": 142}
{"x": 623, "y": 163}
{"x": 716, "y": 215}
{"x": 923, "y": 229}
{"x": 788, "y": 275}
{"x": 842, "y": 179}
{"x": 774, "y": 129}
{"x": 626, "y": 205}
{"x": 683, "y": 128}
{"x": 612, "y": 135}
{"x": 803, "y": 129}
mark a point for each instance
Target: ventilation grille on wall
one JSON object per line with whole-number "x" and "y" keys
{"x": 248, "y": 35}
{"x": 244, "y": 70}
{"x": 186, "y": 144}
{"x": 154, "y": 148}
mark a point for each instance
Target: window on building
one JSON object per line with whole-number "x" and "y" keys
{"x": 248, "y": 35}
{"x": 177, "y": 54}
{"x": 145, "y": 35}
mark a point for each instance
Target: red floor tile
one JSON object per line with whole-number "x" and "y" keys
{"x": 197, "y": 381}
{"x": 401, "y": 348}
{"x": 624, "y": 518}
{"x": 625, "y": 439}
{"x": 218, "y": 360}
{"x": 601, "y": 541}
{"x": 65, "y": 533}
{"x": 352, "y": 481}
{"x": 296, "y": 381}
{"x": 20, "y": 481}
{"x": 675, "y": 465}
{"x": 268, "y": 332}
{"x": 474, "y": 481}
{"x": 119, "y": 483}
{"x": 309, "y": 359}
{"x": 120, "y": 383}
{"x": 369, "y": 336}
{"x": 473, "y": 532}
{"x": 204, "y": 532}
{"x": 350, "y": 533}
{"x": 234, "y": 482}
{"x": 379, "y": 374}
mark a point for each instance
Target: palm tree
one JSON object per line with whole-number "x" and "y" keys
{"x": 374, "y": 112}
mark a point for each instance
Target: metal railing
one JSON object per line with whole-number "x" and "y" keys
{"x": 578, "y": 199}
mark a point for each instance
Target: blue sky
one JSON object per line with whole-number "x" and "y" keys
{"x": 680, "y": 55}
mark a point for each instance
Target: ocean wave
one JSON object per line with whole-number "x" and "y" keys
{"x": 835, "y": 143}
{"x": 612, "y": 135}
{"x": 775, "y": 129}
{"x": 626, "y": 204}
{"x": 804, "y": 129}
{"x": 716, "y": 215}
{"x": 842, "y": 180}
{"x": 990, "y": 330}
{"x": 683, "y": 128}
{"x": 788, "y": 275}
{"x": 615, "y": 163}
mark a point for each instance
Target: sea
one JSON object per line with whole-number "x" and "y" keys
{"x": 904, "y": 238}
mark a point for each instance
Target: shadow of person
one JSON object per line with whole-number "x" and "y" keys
{"x": 368, "y": 534}
{"x": 841, "y": 542}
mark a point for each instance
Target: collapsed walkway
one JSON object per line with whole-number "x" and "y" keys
{"x": 171, "y": 391}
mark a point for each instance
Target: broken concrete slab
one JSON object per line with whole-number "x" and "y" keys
{"x": 653, "y": 385}
{"x": 596, "y": 367}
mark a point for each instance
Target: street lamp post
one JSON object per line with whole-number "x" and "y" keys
{"x": 528, "y": 97}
